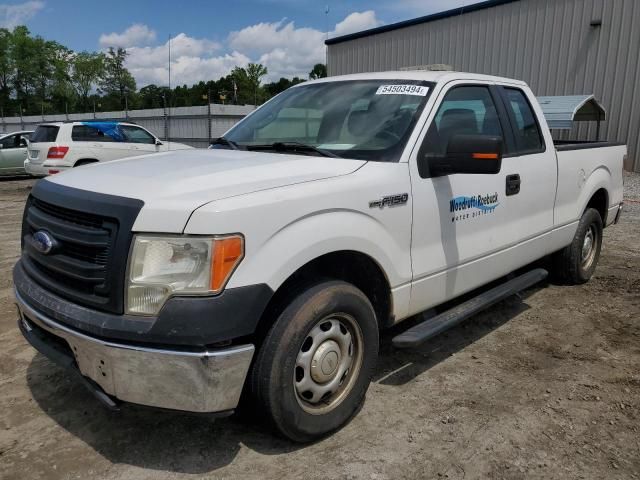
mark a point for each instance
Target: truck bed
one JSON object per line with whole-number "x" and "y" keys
{"x": 564, "y": 145}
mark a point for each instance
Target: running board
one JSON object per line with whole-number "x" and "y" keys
{"x": 422, "y": 332}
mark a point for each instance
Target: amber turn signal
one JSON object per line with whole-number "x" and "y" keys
{"x": 227, "y": 254}
{"x": 485, "y": 156}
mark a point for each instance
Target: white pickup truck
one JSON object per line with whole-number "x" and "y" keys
{"x": 268, "y": 265}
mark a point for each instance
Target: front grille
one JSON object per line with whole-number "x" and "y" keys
{"x": 92, "y": 233}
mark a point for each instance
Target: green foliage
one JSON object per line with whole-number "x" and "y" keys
{"x": 319, "y": 70}
{"x": 41, "y": 76}
{"x": 116, "y": 82}
{"x": 87, "y": 70}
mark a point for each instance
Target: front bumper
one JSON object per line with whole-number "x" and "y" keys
{"x": 202, "y": 381}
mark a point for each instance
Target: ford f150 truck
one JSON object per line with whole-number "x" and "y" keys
{"x": 267, "y": 266}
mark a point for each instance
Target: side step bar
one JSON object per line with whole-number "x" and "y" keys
{"x": 422, "y": 332}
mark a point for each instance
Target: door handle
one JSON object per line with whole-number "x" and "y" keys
{"x": 513, "y": 184}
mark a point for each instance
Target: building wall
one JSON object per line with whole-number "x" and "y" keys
{"x": 181, "y": 124}
{"x": 550, "y": 44}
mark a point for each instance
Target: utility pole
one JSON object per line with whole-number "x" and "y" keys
{"x": 168, "y": 112}
{"x": 21, "y": 121}
{"x": 209, "y": 115}
{"x": 326, "y": 47}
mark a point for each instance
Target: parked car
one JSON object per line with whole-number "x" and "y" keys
{"x": 13, "y": 152}
{"x": 58, "y": 146}
{"x": 269, "y": 264}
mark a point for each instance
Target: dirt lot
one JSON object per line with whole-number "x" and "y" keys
{"x": 543, "y": 386}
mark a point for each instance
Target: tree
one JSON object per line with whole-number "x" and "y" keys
{"x": 274, "y": 88}
{"x": 248, "y": 80}
{"x": 6, "y": 67}
{"x": 24, "y": 63}
{"x": 87, "y": 68}
{"x": 319, "y": 70}
{"x": 117, "y": 81}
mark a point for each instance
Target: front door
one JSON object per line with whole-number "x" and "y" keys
{"x": 465, "y": 226}
{"x": 13, "y": 153}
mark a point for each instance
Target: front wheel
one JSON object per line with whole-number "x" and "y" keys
{"x": 315, "y": 365}
{"x": 576, "y": 263}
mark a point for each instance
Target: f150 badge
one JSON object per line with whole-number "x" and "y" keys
{"x": 390, "y": 201}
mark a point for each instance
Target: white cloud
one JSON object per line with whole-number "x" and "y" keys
{"x": 356, "y": 22}
{"x": 18, "y": 14}
{"x": 285, "y": 50}
{"x": 289, "y": 51}
{"x": 136, "y": 35}
{"x": 192, "y": 60}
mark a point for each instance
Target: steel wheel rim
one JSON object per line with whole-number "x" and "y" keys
{"x": 328, "y": 363}
{"x": 589, "y": 247}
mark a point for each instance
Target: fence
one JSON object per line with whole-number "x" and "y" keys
{"x": 195, "y": 126}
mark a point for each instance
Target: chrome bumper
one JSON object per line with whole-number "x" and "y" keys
{"x": 203, "y": 381}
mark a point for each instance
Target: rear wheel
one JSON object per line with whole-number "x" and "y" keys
{"x": 576, "y": 263}
{"x": 315, "y": 365}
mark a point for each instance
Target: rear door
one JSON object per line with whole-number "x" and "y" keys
{"x": 466, "y": 227}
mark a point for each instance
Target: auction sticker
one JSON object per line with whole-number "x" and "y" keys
{"x": 418, "y": 90}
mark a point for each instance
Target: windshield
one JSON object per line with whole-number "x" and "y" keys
{"x": 361, "y": 119}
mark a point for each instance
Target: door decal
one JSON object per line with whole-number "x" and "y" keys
{"x": 465, "y": 208}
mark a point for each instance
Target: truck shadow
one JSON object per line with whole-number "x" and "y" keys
{"x": 183, "y": 443}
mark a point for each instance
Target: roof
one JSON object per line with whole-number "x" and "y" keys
{"x": 417, "y": 21}
{"x": 6, "y": 134}
{"x": 560, "y": 112}
{"x": 424, "y": 75}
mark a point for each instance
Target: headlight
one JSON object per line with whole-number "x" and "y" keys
{"x": 160, "y": 267}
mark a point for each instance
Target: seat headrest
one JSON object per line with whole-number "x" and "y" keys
{"x": 460, "y": 119}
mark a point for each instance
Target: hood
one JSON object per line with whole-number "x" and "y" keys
{"x": 173, "y": 184}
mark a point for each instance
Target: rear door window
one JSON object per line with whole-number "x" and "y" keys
{"x": 45, "y": 133}
{"x": 87, "y": 133}
{"x": 523, "y": 120}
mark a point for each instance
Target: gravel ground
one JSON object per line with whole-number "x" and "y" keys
{"x": 545, "y": 385}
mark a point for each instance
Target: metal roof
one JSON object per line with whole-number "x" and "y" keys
{"x": 416, "y": 21}
{"x": 560, "y": 112}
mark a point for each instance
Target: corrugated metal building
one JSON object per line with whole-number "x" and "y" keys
{"x": 559, "y": 47}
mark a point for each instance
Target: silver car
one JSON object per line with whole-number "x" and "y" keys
{"x": 13, "y": 152}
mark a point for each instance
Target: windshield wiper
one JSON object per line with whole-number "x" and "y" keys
{"x": 227, "y": 142}
{"x": 292, "y": 147}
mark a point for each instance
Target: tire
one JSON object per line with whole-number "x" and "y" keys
{"x": 324, "y": 344}
{"x": 574, "y": 265}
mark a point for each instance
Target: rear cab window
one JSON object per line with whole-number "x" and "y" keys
{"x": 45, "y": 133}
{"x": 524, "y": 123}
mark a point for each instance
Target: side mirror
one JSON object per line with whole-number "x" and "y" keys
{"x": 158, "y": 142}
{"x": 1, "y": 146}
{"x": 473, "y": 154}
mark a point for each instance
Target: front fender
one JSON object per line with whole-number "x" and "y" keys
{"x": 320, "y": 233}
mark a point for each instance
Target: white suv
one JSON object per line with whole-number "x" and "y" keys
{"x": 55, "y": 147}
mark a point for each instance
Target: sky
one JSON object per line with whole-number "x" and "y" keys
{"x": 210, "y": 37}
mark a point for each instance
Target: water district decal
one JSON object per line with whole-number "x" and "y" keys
{"x": 464, "y": 208}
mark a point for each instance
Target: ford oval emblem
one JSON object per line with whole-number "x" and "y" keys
{"x": 43, "y": 242}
